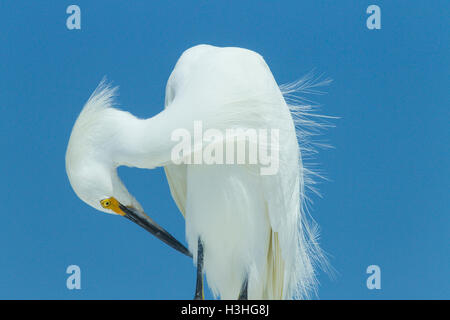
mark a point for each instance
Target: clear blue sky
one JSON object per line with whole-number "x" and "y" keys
{"x": 387, "y": 201}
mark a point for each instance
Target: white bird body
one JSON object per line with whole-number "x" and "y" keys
{"x": 252, "y": 225}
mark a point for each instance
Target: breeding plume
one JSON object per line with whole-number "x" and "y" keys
{"x": 247, "y": 228}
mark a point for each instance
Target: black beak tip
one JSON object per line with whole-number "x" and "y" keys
{"x": 151, "y": 226}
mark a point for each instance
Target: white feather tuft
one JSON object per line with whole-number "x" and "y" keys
{"x": 308, "y": 124}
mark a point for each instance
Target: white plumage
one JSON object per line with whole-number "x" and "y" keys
{"x": 251, "y": 224}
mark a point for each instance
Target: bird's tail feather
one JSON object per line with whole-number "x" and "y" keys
{"x": 275, "y": 270}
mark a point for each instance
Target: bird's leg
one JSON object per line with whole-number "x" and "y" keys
{"x": 199, "y": 295}
{"x": 243, "y": 295}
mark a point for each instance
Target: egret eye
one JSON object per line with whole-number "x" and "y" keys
{"x": 105, "y": 203}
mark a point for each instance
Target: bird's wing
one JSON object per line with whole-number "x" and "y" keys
{"x": 176, "y": 176}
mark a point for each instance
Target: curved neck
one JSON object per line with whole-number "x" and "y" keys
{"x": 145, "y": 143}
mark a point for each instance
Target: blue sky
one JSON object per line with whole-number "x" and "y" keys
{"x": 387, "y": 199}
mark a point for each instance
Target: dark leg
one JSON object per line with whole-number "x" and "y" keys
{"x": 199, "y": 287}
{"x": 243, "y": 295}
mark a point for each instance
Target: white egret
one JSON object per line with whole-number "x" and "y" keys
{"x": 248, "y": 232}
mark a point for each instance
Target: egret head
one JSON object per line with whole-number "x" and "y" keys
{"x": 90, "y": 156}
{"x": 92, "y": 168}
